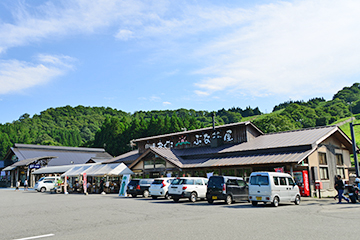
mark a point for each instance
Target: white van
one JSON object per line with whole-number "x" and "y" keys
{"x": 273, "y": 187}
{"x": 45, "y": 184}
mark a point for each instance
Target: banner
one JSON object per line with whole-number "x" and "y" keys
{"x": 123, "y": 186}
{"x": 85, "y": 183}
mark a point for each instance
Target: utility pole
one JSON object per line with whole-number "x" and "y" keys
{"x": 354, "y": 148}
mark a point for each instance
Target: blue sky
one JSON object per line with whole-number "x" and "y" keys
{"x": 156, "y": 55}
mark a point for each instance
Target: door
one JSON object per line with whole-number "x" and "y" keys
{"x": 284, "y": 188}
{"x": 200, "y": 188}
{"x": 243, "y": 190}
{"x": 233, "y": 188}
{"x": 293, "y": 189}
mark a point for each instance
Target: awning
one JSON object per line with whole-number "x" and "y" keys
{"x": 109, "y": 170}
{"x": 116, "y": 169}
{"x": 9, "y": 168}
{"x": 78, "y": 170}
{"x": 55, "y": 169}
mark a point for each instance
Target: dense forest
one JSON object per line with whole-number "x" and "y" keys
{"x": 114, "y": 129}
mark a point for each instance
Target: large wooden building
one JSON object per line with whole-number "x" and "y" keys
{"x": 314, "y": 154}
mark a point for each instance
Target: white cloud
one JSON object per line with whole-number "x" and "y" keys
{"x": 124, "y": 35}
{"x": 19, "y": 75}
{"x": 295, "y": 49}
{"x": 166, "y": 103}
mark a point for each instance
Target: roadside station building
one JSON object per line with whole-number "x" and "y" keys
{"x": 22, "y": 159}
{"x": 310, "y": 155}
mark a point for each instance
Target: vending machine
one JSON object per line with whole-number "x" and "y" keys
{"x": 302, "y": 180}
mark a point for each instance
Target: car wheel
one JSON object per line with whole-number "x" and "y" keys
{"x": 254, "y": 203}
{"x": 133, "y": 195}
{"x": 210, "y": 201}
{"x": 228, "y": 200}
{"x": 43, "y": 189}
{"x": 176, "y": 199}
{"x": 193, "y": 197}
{"x": 275, "y": 202}
{"x": 146, "y": 194}
{"x": 297, "y": 200}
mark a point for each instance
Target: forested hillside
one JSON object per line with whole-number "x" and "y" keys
{"x": 114, "y": 129}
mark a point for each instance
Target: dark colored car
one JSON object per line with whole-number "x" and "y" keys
{"x": 227, "y": 188}
{"x": 139, "y": 187}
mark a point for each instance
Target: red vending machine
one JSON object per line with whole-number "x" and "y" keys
{"x": 302, "y": 180}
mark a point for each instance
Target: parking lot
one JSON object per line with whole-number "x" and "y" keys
{"x": 77, "y": 216}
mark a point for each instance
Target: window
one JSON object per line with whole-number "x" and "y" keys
{"x": 324, "y": 174}
{"x": 198, "y": 182}
{"x": 341, "y": 172}
{"x": 241, "y": 183}
{"x": 291, "y": 181}
{"x": 339, "y": 160}
{"x": 276, "y": 180}
{"x": 231, "y": 182}
{"x": 322, "y": 159}
{"x": 159, "y": 163}
{"x": 259, "y": 180}
{"x": 148, "y": 164}
{"x": 283, "y": 181}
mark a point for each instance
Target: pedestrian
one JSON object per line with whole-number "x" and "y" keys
{"x": 339, "y": 186}
{"x": 26, "y": 185}
{"x": 17, "y": 185}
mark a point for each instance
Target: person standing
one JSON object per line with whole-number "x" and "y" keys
{"x": 26, "y": 185}
{"x": 17, "y": 185}
{"x": 339, "y": 186}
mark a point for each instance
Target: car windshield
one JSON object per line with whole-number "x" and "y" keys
{"x": 259, "y": 180}
{"x": 183, "y": 181}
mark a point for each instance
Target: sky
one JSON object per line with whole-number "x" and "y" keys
{"x": 134, "y": 55}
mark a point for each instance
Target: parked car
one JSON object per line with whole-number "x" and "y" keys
{"x": 273, "y": 187}
{"x": 188, "y": 187}
{"x": 227, "y": 188}
{"x": 139, "y": 187}
{"x": 45, "y": 184}
{"x": 159, "y": 187}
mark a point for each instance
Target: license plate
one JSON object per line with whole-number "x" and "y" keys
{"x": 130, "y": 187}
{"x": 258, "y": 198}
{"x": 214, "y": 197}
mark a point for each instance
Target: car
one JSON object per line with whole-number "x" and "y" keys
{"x": 159, "y": 187}
{"x": 46, "y": 184}
{"x": 139, "y": 187}
{"x": 192, "y": 188}
{"x": 227, "y": 188}
{"x": 273, "y": 187}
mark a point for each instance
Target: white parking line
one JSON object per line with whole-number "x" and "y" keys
{"x": 35, "y": 237}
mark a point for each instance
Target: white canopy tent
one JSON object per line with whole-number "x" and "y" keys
{"x": 98, "y": 170}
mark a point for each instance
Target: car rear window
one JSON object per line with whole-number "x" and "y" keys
{"x": 146, "y": 181}
{"x": 259, "y": 180}
{"x": 182, "y": 181}
{"x": 157, "y": 181}
{"x": 215, "y": 182}
{"x": 134, "y": 182}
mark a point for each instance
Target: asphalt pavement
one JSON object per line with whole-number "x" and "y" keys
{"x": 33, "y": 215}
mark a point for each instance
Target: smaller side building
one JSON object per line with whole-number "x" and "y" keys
{"x": 22, "y": 159}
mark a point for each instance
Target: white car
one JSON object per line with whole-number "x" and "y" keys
{"x": 159, "y": 187}
{"x": 272, "y": 187}
{"x": 45, "y": 184}
{"x": 188, "y": 187}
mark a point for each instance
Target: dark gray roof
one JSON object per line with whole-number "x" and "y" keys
{"x": 65, "y": 155}
{"x": 310, "y": 137}
{"x": 126, "y": 158}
